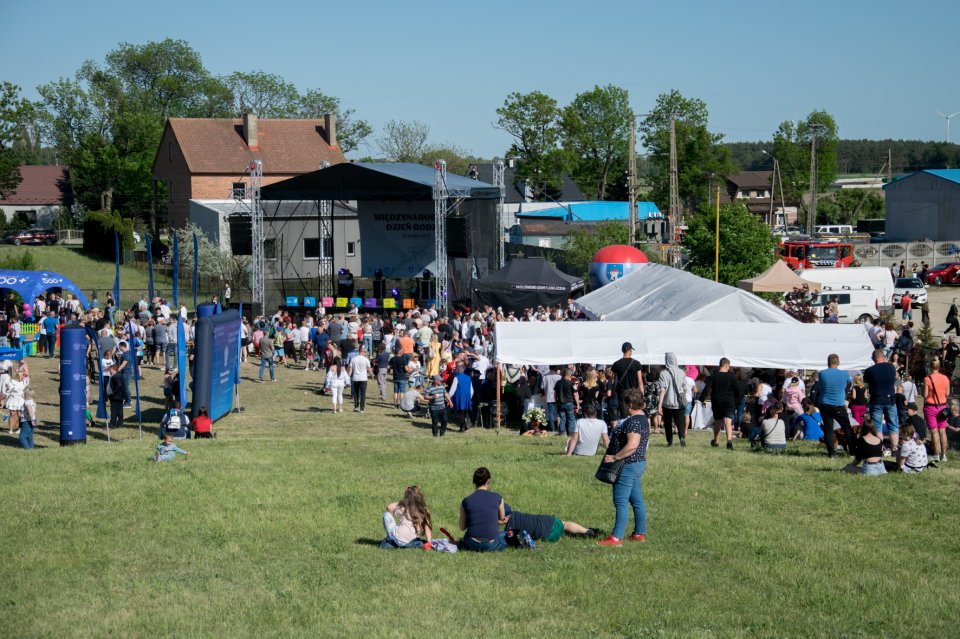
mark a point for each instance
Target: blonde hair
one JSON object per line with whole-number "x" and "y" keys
{"x": 858, "y": 381}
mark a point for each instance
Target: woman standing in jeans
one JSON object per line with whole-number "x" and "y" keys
{"x": 628, "y": 441}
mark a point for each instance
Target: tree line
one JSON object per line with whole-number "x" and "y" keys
{"x": 105, "y": 122}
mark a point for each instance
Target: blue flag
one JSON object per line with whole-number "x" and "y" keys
{"x": 149, "y": 270}
{"x": 182, "y": 361}
{"x": 196, "y": 269}
{"x": 236, "y": 375}
{"x": 116, "y": 277}
{"x": 176, "y": 272}
{"x": 101, "y": 402}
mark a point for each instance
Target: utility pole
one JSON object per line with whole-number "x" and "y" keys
{"x": 674, "y": 195}
{"x": 889, "y": 166}
{"x": 812, "y": 212}
{"x": 632, "y": 179}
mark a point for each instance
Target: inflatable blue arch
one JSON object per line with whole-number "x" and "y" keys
{"x": 30, "y": 284}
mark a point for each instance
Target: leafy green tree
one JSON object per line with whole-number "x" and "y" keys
{"x": 351, "y": 131}
{"x": 533, "y": 121}
{"x": 701, "y": 159}
{"x": 746, "y": 244}
{"x": 15, "y": 113}
{"x": 581, "y": 244}
{"x": 791, "y": 146}
{"x": 595, "y": 131}
{"x": 404, "y": 141}
{"x": 846, "y": 206}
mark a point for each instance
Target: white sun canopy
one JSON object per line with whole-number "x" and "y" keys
{"x": 747, "y": 344}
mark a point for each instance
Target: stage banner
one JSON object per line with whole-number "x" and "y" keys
{"x": 356, "y": 301}
{"x": 215, "y": 363}
{"x": 369, "y": 302}
{"x": 389, "y": 303}
{"x": 397, "y": 238}
{"x": 408, "y": 303}
{"x": 342, "y": 302}
{"x": 326, "y": 302}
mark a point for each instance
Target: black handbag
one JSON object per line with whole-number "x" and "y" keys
{"x": 610, "y": 473}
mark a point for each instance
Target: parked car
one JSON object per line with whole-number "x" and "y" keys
{"x": 31, "y": 236}
{"x": 913, "y": 285}
{"x": 946, "y": 273}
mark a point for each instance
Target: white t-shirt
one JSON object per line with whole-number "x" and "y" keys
{"x": 688, "y": 384}
{"x": 360, "y": 367}
{"x": 909, "y": 392}
{"x": 590, "y": 432}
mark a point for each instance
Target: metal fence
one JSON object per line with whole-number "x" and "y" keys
{"x": 890, "y": 253}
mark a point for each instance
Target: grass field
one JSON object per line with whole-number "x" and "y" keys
{"x": 270, "y": 530}
{"x": 91, "y": 273}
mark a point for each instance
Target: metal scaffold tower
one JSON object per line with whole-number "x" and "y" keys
{"x": 258, "y": 235}
{"x": 441, "y": 208}
{"x": 498, "y": 181}
{"x": 676, "y": 215}
{"x": 325, "y": 281}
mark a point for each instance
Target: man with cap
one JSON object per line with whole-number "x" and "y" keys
{"x": 626, "y": 371}
{"x": 438, "y": 400}
{"x": 914, "y": 419}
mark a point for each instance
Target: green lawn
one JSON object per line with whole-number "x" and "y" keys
{"x": 270, "y": 531}
{"x": 88, "y": 272}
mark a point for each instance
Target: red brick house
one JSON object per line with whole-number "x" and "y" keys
{"x": 209, "y": 158}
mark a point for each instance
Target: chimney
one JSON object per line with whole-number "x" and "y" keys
{"x": 330, "y": 128}
{"x": 250, "y": 130}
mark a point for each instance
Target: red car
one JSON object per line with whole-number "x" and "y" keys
{"x": 31, "y": 236}
{"x": 946, "y": 273}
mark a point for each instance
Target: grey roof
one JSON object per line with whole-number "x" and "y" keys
{"x": 569, "y": 192}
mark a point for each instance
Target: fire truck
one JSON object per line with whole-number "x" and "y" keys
{"x": 802, "y": 254}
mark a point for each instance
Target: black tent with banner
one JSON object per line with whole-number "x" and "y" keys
{"x": 525, "y": 283}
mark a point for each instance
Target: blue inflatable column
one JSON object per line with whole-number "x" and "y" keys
{"x": 206, "y": 309}
{"x": 73, "y": 385}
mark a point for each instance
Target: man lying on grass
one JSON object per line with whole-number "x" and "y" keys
{"x": 545, "y": 527}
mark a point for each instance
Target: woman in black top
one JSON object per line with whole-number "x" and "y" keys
{"x": 628, "y": 442}
{"x": 868, "y": 449}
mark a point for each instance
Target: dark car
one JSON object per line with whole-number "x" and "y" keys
{"x": 31, "y": 236}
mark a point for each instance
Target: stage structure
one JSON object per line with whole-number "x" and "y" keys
{"x": 498, "y": 181}
{"x": 399, "y": 237}
{"x": 325, "y": 277}
{"x": 258, "y": 231}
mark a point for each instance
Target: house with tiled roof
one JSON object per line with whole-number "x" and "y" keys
{"x": 755, "y": 190}
{"x": 40, "y": 196}
{"x": 210, "y": 158}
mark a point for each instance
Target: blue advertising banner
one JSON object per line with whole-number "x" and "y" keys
{"x": 73, "y": 385}
{"x": 215, "y": 363}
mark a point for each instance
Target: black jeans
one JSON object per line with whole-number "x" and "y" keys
{"x": 116, "y": 413}
{"x": 359, "y": 392}
{"x": 674, "y": 417}
{"x": 438, "y": 421}
{"x": 829, "y": 413}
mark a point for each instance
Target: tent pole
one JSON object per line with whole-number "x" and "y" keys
{"x": 498, "y": 397}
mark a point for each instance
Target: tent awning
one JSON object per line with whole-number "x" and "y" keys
{"x": 654, "y": 292}
{"x": 384, "y": 181}
{"x": 30, "y": 284}
{"x": 747, "y": 344}
{"x": 779, "y": 278}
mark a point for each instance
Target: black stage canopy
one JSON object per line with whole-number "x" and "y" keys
{"x": 374, "y": 181}
{"x": 525, "y": 283}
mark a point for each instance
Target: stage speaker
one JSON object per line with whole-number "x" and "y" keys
{"x": 241, "y": 235}
{"x": 426, "y": 289}
{"x": 458, "y": 236}
{"x": 345, "y": 286}
{"x": 379, "y": 289}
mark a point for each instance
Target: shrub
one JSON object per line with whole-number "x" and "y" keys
{"x": 98, "y": 230}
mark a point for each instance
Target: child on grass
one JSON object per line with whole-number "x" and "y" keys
{"x": 407, "y": 520}
{"x": 167, "y": 450}
{"x": 29, "y": 421}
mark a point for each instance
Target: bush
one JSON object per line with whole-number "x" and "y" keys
{"x": 19, "y": 262}
{"x": 98, "y": 230}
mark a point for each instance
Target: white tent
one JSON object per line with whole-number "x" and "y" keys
{"x": 748, "y": 344}
{"x": 654, "y": 292}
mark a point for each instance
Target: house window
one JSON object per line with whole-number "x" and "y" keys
{"x": 311, "y": 248}
{"x": 239, "y": 190}
{"x": 270, "y": 248}
{"x": 351, "y": 249}
{"x": 543, "y": 242}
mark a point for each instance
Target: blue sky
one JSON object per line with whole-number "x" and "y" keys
{"x": 881, "y": 68}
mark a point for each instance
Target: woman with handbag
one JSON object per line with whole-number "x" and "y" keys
{"x": 937, "y": 387}
{"x": 627, "y": 455}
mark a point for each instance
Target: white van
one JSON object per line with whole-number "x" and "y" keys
{"x": 834, "y": 229}
{"x": 877, "y": 278}
{"x": 853, "y": 304}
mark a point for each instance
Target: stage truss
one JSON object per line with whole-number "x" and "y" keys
{"x": 441, "y": 208}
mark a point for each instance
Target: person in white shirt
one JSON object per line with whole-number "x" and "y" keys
{"x": 164, "y": 309}
{"x": 359, "y": 374}
{"x": 909, "y": 390}
{"x": 587, "y": 433}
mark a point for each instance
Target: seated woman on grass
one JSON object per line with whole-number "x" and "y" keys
{"x": 406, "y": 521}
{"x": 867, "y": 451}
{"x": 771, "y": 434}
{"x": 809, "y": 423}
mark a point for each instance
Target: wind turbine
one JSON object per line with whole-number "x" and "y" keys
{"x": 948, "y": 118}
